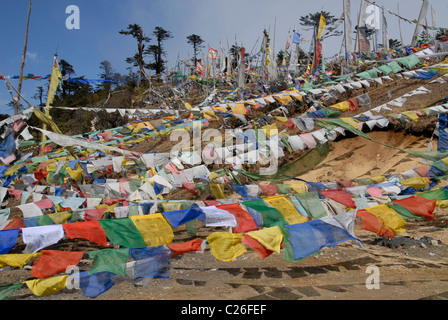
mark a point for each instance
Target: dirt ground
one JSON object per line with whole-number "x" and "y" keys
{"x": 415, "y": 269}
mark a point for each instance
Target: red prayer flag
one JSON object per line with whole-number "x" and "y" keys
{"x": 183, "y": 247}
{"x": 255, "y": 245}
{"x": 245, "y": 222}
{"x": 94, "y": 214}
{"x": 419, "y": 206}
{"x": 89, "y": 230}
{"x": 52, "y": 262}
{"x": 268, "y": 189}
{"x": 15, "y": 224}
{"x": 339, "y": 195}
{"x": 370, "y": 222}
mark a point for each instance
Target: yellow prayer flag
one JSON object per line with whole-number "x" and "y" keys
{"x": 154, "y": 228}
{"x": 46, "y": 287}
{"x": 217, "y": 190}
{"x": 298, "y": 187}
{"x": 282, "y": 204}
{"x": 389, "y": 216}
{"x": 171, "y": 206}
{"x": 55, "y": 81}
{"x": 281, "y": 119}
{"x": 226, "y": 246}
{"x": 239, "y": 108}
{"x": 379, "y": 179}
{"x": 416, "y": 182}
{"x": 343, "y": 106}
{"x": 270, "y": 238}
{"x": 60, "y": 217}
{"x": 411, "y": 115}
{"x": 17, "y": 260}
{"x": 322, "y": 24}
{"x": 270, "y": 129}
{"x": 351, "y": 122}
{"x": 284, "y": 99}
{"x": 75, "y": 174}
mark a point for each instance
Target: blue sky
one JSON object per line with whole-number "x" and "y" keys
{"x": 215, "y": 21}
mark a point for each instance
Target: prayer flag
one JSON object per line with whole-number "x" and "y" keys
{"x": 123, "y": 232}
{"x": 89, "y": 230}
{"x": 93, "y": 285}
{"x": 226, "y": 246}
{"x": 179, "y": 217}
{"x": 153, "y": 229}
{"x": 51, "y": 262}
{"x": 110, "y": 260}
{"x": 151, "y": 262}
{"x": 55, "y": 81}
{"x": 46, "y": 287}
{"x": 309, "y": 237}
{"x": 322, "y": 24}
{"x": 8, "y": 239}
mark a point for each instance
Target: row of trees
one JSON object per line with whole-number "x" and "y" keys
{"x": 151, "y": 55}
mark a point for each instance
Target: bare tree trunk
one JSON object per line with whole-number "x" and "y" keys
{"x": 19, "y": 87}
{"x": 140, "y": 53}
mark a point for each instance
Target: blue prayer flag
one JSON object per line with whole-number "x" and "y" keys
{"x": 308, "y": 238}
{"x": 8, "y": 239}
{"x": 179, "y": 217}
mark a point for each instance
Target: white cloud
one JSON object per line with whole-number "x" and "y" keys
{"x": 31, "y": 55}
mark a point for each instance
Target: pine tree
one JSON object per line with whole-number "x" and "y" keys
{"x": 196, "y": 41}
{"x": 137, "y": 60}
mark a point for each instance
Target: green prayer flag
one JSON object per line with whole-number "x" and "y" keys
{"x": 123, "y": 232}
{"x": 402, "y": 211}
{"x": 7, "y": 290}
{"x": 271, "y": 216}
{"x": 310, "y": 201}
{"x": 110, "y": 260}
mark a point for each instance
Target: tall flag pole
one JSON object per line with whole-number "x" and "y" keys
{"x": 19, "y": 87}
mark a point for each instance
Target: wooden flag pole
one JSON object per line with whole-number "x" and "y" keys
{"x": 19, "y": 87}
